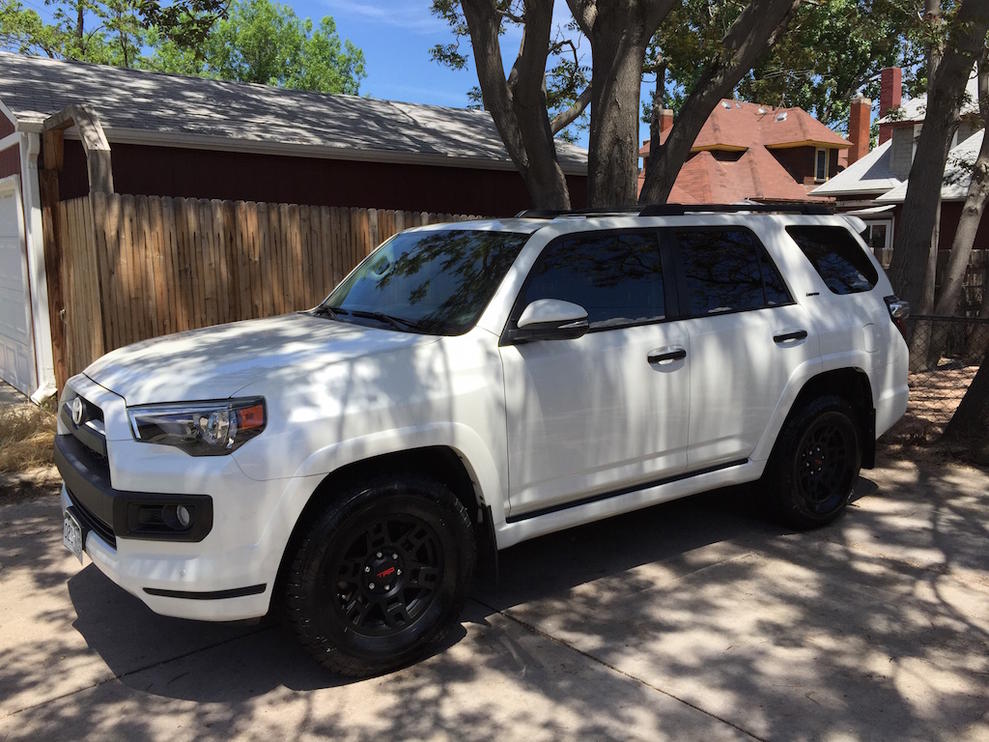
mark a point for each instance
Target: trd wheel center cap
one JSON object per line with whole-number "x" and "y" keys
{"x": 383, "y": 572}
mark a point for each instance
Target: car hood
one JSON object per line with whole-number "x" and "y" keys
{"x": 213, "y": 363}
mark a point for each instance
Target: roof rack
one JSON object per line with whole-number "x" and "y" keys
{"x": 766, "y": 207}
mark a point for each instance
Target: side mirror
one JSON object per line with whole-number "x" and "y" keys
{"x": 550, "y": 319}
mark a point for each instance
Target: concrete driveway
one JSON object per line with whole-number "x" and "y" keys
{"x": 690, "y": 620}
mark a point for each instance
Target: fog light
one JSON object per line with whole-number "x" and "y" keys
{"x": 183, "y": 516}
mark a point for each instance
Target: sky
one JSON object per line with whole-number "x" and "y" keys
{"x": 396, "y": 36}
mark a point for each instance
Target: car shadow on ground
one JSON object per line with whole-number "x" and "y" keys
{"x": 131, "y": 639}
{"x": 873, "y": 623}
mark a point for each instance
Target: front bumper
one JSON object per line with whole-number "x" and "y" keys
{"x": 221, "y": 568}
{"x": 162, "y": 581}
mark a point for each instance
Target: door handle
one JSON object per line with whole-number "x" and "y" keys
{"x": 792, "y": 335}
{"x": 666, "y": 355}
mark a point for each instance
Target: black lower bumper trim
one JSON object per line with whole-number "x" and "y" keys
{"x": 148, "y": 516}
{"x": 237, "y": 592}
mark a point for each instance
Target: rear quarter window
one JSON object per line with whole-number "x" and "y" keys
{"x": 837, "y": 257}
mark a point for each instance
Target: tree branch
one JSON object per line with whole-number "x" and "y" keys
{"x": 584, "y": 13}
{"x": 755, "y": 29}
{"x": 564, "y": 118}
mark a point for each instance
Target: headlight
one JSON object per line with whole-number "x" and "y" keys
{"x": 200, "y": 428}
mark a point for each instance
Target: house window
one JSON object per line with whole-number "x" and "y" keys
{"x": 821, "y": 165}
{"x": 878, "y": 235}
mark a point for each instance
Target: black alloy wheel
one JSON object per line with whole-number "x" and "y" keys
{"x": 815, "y": 463}
{"x": 380, "y": 576}
{"x": 387, "y": 577}
{"x": 824, "y": 473}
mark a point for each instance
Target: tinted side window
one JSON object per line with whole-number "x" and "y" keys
{"x": 616, "y": 277}
{"x": 837, "y": 257}
{"x": 727, "y": 270}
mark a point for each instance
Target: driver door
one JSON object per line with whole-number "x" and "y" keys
{"x": 606, "y": 411}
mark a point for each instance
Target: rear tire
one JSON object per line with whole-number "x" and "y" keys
{"x": 815, "y": 463}
{"x": 380, "y": 575}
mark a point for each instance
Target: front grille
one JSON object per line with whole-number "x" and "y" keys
{"x": 91, "y": 522}
{"x": 90, "y": 431}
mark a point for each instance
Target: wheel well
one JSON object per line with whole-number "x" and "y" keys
{"x": 440, "y": 462}
{"x": 852, "y": 385}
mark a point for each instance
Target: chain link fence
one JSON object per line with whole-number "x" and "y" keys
{"x": 945, "y": 353}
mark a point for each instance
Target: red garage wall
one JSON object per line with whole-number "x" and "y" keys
{"x": 168, "y": 171}
{"x": 6, "y": 126}
{"x": 10, "y": 158}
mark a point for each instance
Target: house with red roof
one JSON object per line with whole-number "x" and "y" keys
{"x": 755, "y": 152}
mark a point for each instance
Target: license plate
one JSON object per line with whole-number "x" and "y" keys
{"x": 72, "y": 535}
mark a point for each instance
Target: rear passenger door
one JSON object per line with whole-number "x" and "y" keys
{"x": 608, "y": 410}
{"x": 747, "y": 337}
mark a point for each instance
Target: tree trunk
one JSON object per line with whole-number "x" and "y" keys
{"x": 749, "y": 36}
{"x": 619, "y": 33}
{"x": 964, "y": 240}
{"x": 518, "y": 104}
{"x": 972, "y": 211}
{"x": 909, "y": 269}
{"x": 969, "y": 426}
{"x": 612, "y": 156}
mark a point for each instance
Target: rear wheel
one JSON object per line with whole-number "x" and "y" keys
{"x": 815, "y": 463}
{"x": 381, "y": 575}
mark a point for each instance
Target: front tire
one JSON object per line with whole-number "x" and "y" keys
{"x": 815, "y": 463}
{"x": 380, "y": 575}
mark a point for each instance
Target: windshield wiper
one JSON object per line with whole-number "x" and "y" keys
{"x": 397, "y": 322}
{"x": 323, "y": 310}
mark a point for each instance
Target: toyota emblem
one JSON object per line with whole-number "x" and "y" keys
{"x": 77, "y": 410}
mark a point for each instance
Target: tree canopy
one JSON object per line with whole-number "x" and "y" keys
{"x": 816, "y": 55}
{"x": 245, "y": 40}
{"x": 830, "y": 50}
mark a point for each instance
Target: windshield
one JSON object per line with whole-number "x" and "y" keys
{"x": 436, "y": 281}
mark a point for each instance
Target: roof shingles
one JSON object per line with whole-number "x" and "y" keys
{"x": 133, "y": 102}
{"x": 753, "y": 130}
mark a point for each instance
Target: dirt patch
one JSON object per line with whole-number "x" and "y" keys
{"x": 934, "y": 396}
{"x": 27, "y": 436}
{"x": 41, "y": 481}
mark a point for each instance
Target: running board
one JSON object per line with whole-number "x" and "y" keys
{"x": 534, "y": 523}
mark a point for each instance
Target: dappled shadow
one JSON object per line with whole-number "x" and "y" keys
{"x": 874, "y": 627}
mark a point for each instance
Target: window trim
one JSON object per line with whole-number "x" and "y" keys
{"x": 888, "y": 223}
{"x": 670, "y": 295}
{"x": 681, "y": 275}
{"x": 827, "y": 163}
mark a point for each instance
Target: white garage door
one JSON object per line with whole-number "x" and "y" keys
{"x": 16, "y": 352}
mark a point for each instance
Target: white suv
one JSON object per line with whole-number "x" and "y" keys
{"x": 469, "y": 386}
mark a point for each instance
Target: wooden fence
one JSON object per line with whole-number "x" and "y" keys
{"x": 135, "y": 267}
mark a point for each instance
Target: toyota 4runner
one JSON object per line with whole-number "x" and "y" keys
{"x": 469, "y": 386}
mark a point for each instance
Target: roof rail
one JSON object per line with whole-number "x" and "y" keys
{"x": 765, "y": 207}
{"x": 768, "y": 207}
{"x": 553, "y": 213}
{"x": 540, "y": 213}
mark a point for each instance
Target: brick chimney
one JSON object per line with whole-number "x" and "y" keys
{"x": 858, "y": 128}
{"x": 665, "y": 120}
{"x": 890, "y": 97}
